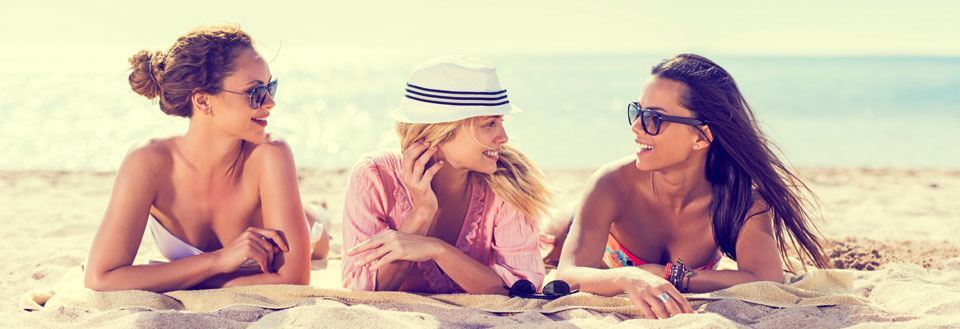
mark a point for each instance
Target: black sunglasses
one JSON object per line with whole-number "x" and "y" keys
{"x": 651, "y": 120}
{"x": 554, "y": 289}
{"x": 259, "y": 93}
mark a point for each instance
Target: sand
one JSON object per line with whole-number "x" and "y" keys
{"x": 891, "y": 228}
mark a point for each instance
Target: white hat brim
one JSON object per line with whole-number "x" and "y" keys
{"x": 416, "y": 112}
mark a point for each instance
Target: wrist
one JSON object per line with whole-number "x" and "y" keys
{"x": 629, "y": 277}
{"x": 212, "y": 261}
{"x": 440, "y": 248}
{"x": 423, "y": 214}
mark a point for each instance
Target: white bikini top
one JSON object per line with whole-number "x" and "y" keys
{"x": 170, "y": 246}
{"x": 173, "y": 248}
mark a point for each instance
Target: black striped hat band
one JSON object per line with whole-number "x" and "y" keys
{"x": 456, "y": 98}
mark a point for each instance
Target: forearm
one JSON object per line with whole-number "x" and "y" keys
{"x": 710, "y": 280}
{"x": 604, "y": 282}
{"x": 294, "y": 268}
{"x": 391, "y": 276}
{"x": 471, "y": 275}
{"x": 177, "y": 275}
{"x": 418, "y": 223}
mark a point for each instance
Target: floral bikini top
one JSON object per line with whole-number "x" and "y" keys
{"x": 615, "y": 255}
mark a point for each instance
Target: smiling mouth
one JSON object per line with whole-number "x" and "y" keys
{"x": 641, "y": 147}
{"x": 491, "y": 154}
{"x": 262, "y": 122}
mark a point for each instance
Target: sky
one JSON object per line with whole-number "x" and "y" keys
{"x": 740, "y": 28}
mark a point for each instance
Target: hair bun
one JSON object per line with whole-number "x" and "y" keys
{"x": 143, "y": 79}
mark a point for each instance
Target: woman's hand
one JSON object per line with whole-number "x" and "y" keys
{"x": 255, "y": 244}
{"x": 416, "y": 177}
{"x": 655, "y": 297}
{"x": 390, "y": 245}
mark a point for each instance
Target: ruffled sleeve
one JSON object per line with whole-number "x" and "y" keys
{"x": 364, "y": 215}
{"x": 515, "y": 247}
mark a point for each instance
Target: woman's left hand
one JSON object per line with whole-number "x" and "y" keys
{"x": 391, "y": 245}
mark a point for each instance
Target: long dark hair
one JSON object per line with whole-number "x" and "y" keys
{"x": 740, "y": 163}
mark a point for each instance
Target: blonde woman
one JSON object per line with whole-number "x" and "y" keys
{"x": 456, "y": 210}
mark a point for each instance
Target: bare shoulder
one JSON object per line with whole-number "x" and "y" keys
{"x": 759, "y": 217}
{"x": 760, "y": 209}
{"x": 610, "y": 177}
{"x": 148, "y": 156}
{"x": 274, "y": 149}
{"x": 273, "y": 158}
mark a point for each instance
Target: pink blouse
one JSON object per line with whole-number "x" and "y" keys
{"x": 493, "y": 233}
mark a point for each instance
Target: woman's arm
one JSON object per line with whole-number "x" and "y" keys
{"x": 365, "y": 215}
{"x": 515, "y": 256}
{"x": 582, "y": 253}
{"x": 581, "y": 258}
{"x": 390, "y": 247}
{"x": 758, "y": 257}
{"x": 109, "y": 266}
{"x": 282, "y": 210}
{"x": 416, "y": 176}
{"x": 391, "y": 275}
{"x": 468, "y": 273}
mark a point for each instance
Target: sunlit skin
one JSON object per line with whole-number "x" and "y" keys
{"x": 437, "y": 182}
{"x": 656, "y": 203}
{"x": 235, "y": 200}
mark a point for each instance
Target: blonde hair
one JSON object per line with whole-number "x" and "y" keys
{"x": 517, "y": 180}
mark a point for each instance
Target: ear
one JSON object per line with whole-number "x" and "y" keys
{"x": 703, "y": 139}
{"x": 201, "y": 102}
{"x": 439, "y": 155}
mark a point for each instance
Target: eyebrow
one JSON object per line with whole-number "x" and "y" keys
{"x": 653, "y": 108}
{"x": 258, "y": 81}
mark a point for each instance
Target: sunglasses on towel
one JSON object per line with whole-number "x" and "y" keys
{"x": 652, "y": 120}
{"x": 259, "y": 93}
{"x": 554, "y": 289}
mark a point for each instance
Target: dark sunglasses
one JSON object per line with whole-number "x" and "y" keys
{"x": 259, "y": 93}
{"x": 651, "y": 120}
{"x": 554, "y": 289}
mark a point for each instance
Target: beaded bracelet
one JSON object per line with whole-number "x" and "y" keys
{"x": 679, "y": 275}
{"x": 689, "y": 273}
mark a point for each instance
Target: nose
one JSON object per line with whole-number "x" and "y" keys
{"x": 501, "y": 137}
{"x": 637, "y": 127}
{"x": 268, "y": 103}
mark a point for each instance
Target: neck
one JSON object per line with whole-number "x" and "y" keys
{"x": 209, "y": 150}
{"x": 681, "y": 185}
{"x": 450, "y": 181}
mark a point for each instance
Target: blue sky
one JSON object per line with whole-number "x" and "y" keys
{"x": 747, "y": 28}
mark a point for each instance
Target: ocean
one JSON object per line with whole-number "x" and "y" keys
{"x": 78, "y": 112}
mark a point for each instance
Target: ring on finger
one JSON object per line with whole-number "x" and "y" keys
{"x": 664, "y": 297}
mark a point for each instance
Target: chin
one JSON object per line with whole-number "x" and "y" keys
{"x": 256, "y": 139}
{"x": 643, "y": 166}
{"x": 487, "y": 170}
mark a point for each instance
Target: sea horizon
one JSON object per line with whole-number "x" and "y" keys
{"x": 882, "y": 111}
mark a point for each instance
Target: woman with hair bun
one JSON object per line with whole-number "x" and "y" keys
{"x": 221, "y": 201}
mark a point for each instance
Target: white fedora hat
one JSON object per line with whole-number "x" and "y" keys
{"x": 452, "y": 88}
